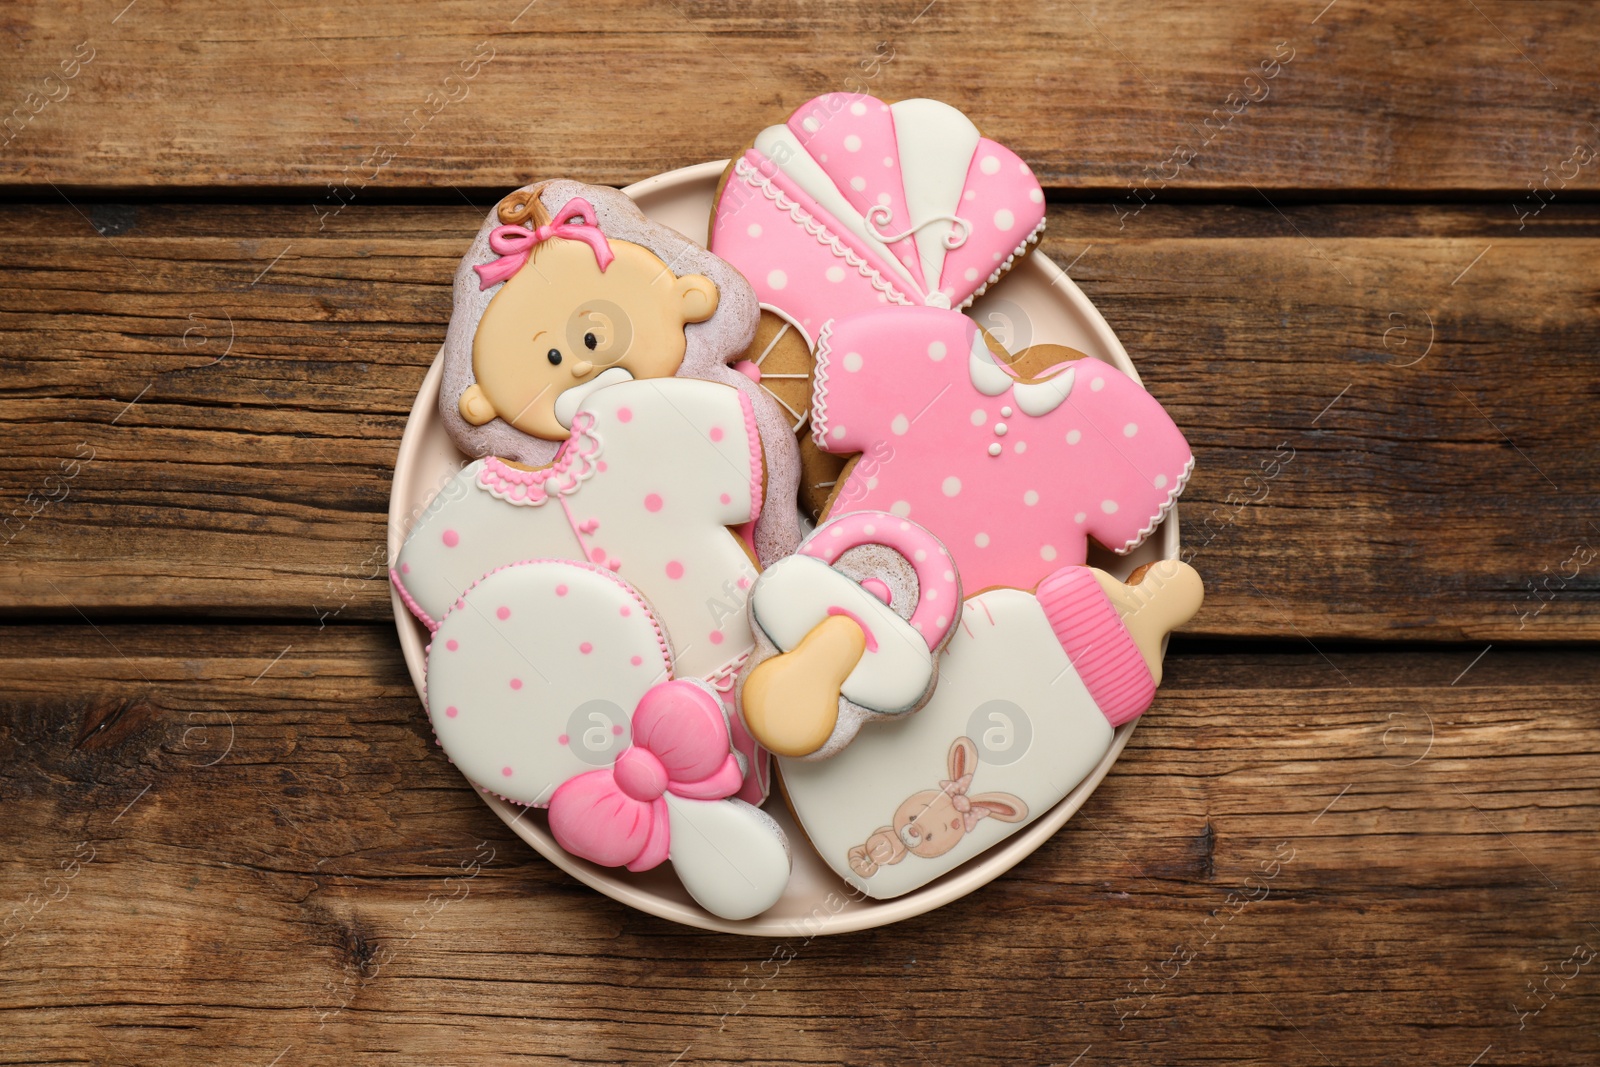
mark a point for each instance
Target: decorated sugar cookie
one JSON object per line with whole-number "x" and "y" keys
{"x": 854, "y": 204}
{"x": 550, "y": 683}
{"x": 848, "y": 630}
{"x": 1013, "y": 475}
{"x": 587, "y": 364}
{"x": 1031, "y": 688}
{"x": 567, "y": 289}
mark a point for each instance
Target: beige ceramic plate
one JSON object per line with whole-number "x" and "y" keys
{"x": 1036, "y": 303}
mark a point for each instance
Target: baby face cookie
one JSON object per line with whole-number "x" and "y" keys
{"x": 550, "y": 684}
{"x": 848, "y": 630}
{"x": 1030, "y": 689}
{"x": 569, "y": 289}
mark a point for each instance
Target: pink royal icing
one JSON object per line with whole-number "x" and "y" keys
{"x": 574, "y": 464}
{"x": 937, "y": 590}
{"x": 575, "y": 221}
{"x": 617, "y": 816}
{"x": 1013, "y": 477}
{"x": 850, "y": 205}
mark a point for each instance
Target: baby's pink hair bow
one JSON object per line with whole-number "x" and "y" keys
{"x": 961, "y": 802}
{"x": 576, "y": 221}
{"x": 618, "y": 816}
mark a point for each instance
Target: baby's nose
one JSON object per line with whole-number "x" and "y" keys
{"x": 581, "y": 368}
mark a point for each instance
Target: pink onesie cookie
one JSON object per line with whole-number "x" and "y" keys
{"x": 1013, "y": 475}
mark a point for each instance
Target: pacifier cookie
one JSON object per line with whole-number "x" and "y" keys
{"x": 848, "y": 630}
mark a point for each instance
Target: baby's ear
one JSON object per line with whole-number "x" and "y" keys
{"x": 475, "y": 407}
{"x": 698, "y": 297}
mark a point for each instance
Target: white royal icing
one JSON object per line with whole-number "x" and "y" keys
{"x": 796, "y": 593}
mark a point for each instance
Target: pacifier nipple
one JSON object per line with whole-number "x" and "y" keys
{"x": 791, "y": 701}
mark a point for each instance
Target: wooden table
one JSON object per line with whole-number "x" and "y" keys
{"x": 1358, "y": 827}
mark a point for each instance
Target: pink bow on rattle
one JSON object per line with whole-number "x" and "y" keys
{"x": 961, "y": 802}
{"x": 576, "y": 221}
{"x": 617, "y": 816}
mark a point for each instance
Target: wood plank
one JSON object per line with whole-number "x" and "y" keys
{"x": 297, "y": 883}
{"x": 341, "y": 102}
{"x": 1463, "y": 473}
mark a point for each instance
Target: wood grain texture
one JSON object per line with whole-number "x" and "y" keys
{"x": 343, "y": 102}
{"x": 318, "y": 878}
{"x": 1394, "y": 426}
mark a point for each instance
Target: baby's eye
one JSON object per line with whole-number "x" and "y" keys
{"x": 554, "y": 356}
{"x": 590, "y": 341}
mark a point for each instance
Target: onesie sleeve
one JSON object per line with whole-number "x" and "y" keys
{"x": 877, "y": 373}
{"x": 683, "y": 447}
{"x": 1141, "y": 460}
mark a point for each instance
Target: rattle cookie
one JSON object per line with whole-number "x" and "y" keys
{"x": 1031, "y": 689}
{"x": 550, "y": 684}
{"x": 847, "y": 630}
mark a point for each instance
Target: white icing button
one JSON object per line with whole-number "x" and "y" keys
{"x": 994, "y": 449}
{"x": 1005, "y": 412}
{"x": 999, "y": 429}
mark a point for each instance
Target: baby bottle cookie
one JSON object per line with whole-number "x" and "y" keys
{"x": 1031, "y": 688}
{"x": 550, "y": 684}
{"x": 848, "y": 630}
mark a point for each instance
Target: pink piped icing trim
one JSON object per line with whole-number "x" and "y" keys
{"x": 751, "y": 175}
{"x": 1091, "y": 633}
{"x": 1172, "y": 498}
{"x": 574, "y": 464}
{"x": 756, "y": 465}
{"x": 938, "y": 587}
{"x": 819, "y": 387}
{"x": 1020, "y": 250}
{"x": 405, "y": 596}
